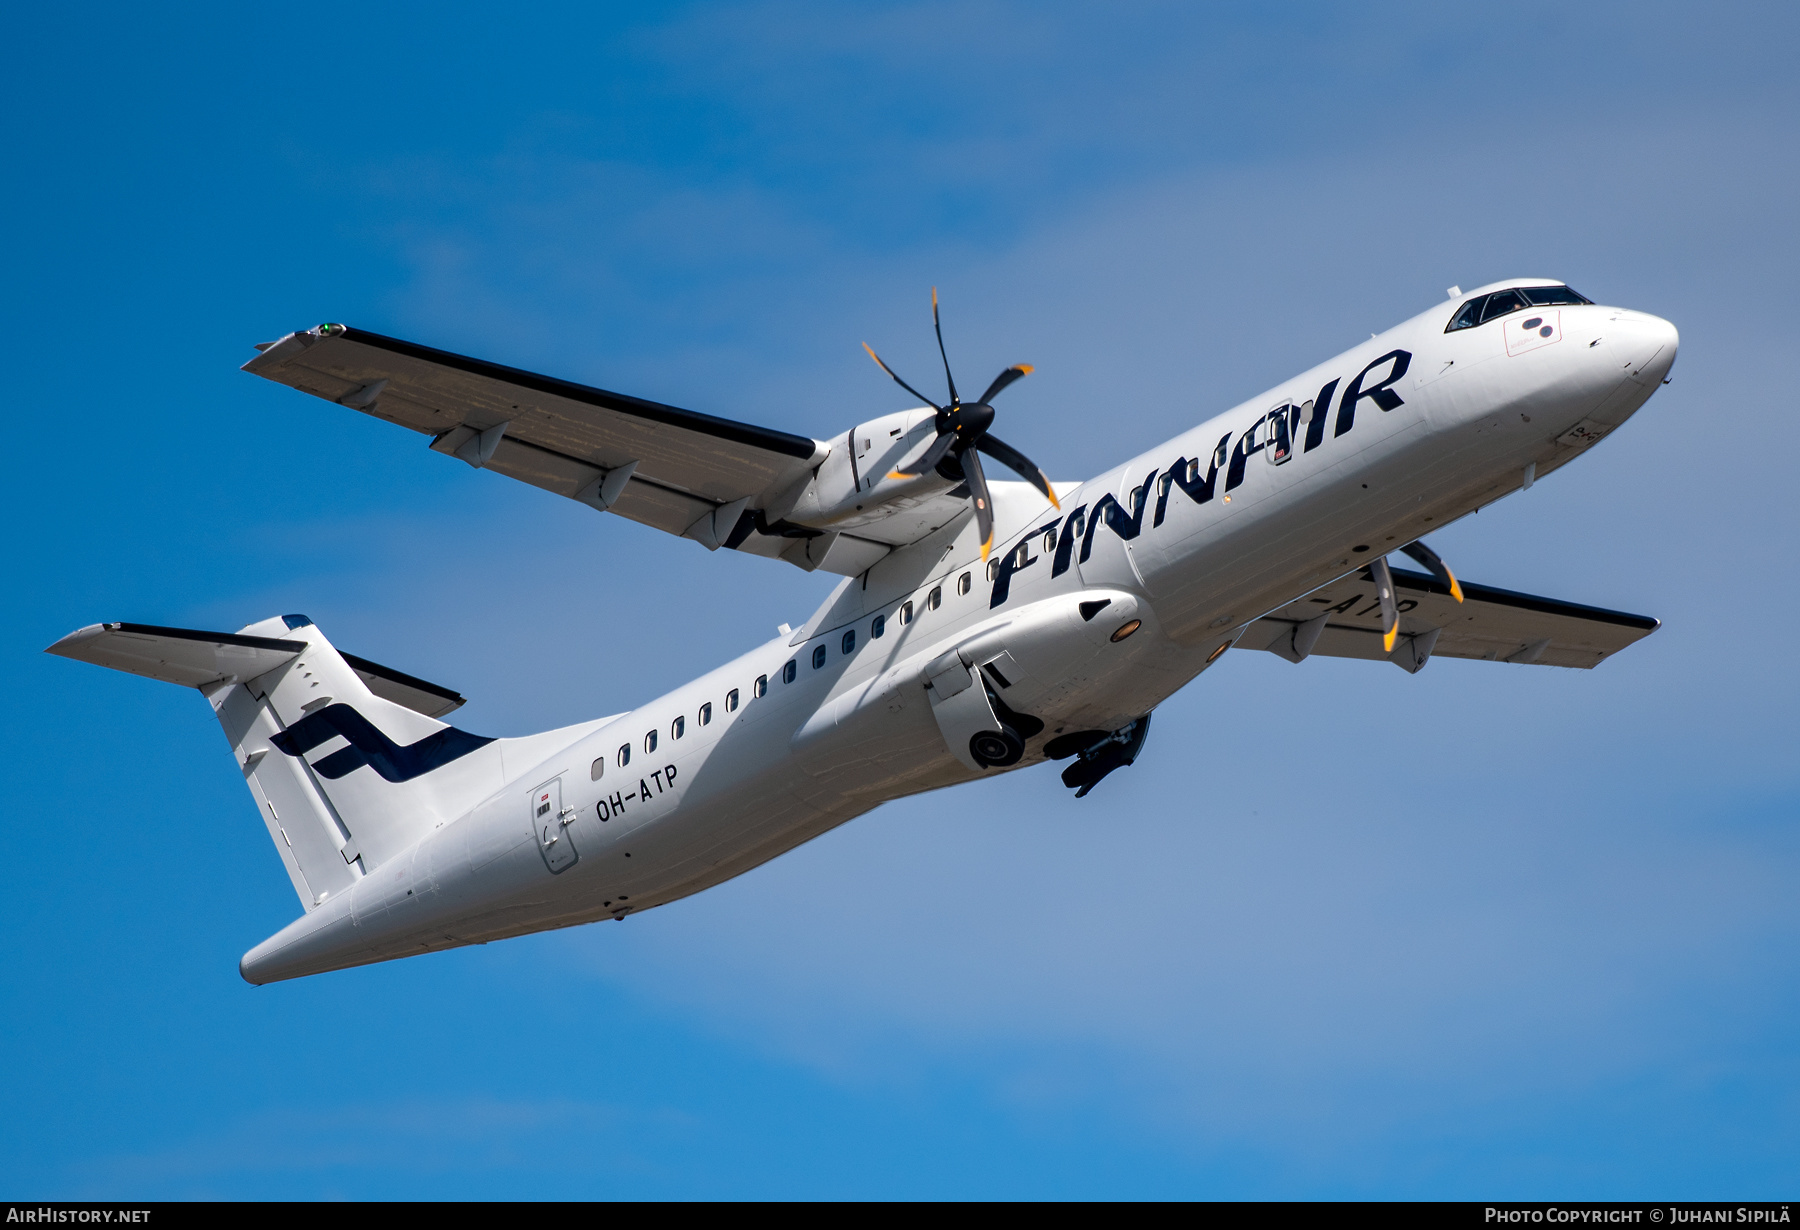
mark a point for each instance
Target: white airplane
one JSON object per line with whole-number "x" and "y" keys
{"x": 981, "y": 627}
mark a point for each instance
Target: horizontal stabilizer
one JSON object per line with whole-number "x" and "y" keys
{"x": 404, "y": 689}
{"x": 176, "y": 655}
{"x": 197, "y": 659}
{"x": 1495, "y": 625}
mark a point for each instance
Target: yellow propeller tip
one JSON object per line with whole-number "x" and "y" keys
{"x": 900, "y": 474}
{"x": 1054, "y": 502}
{"x": 1456, "y": 591}
{"x": 1025, "y": 368}
{"x": 985, "y": 548}
{"x": 1388, "y": 639}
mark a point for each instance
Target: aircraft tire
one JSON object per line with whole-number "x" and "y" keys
{"x": 997, "y": 749}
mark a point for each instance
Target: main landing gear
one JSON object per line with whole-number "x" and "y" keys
{"x": 997, "y": 749}
{"x": 1098, "y": 753}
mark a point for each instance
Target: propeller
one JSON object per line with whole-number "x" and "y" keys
{"x": 1384, "y": 587}
{"x": 1390, "y": 610}
{"x": 1434, "y": 563}
{"x": 962, "y": 435}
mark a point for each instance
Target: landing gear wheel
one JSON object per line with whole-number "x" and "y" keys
{"x": 997, "y": 748}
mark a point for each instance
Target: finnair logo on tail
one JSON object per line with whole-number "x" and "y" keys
{"x": 368, "y": 746}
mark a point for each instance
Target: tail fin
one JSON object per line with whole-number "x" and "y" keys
{"x": 304, "y": 721}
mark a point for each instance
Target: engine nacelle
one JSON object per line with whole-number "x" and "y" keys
{"x": 852, "y": 489}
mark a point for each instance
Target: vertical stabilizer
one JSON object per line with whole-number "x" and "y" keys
{"x": 345, "y": 765}
{"x": 363, "y": 777}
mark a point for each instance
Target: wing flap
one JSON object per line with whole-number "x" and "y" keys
{"x": 1491, "y": 624}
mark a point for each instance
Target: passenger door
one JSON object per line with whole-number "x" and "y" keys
{"x": 551, "y": 825}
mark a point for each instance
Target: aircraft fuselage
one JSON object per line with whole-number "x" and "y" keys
{"x": 1193, "y": 540}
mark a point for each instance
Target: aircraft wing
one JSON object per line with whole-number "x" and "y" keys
{"x": 656, "y": 464}
{"x": 1495, "y": 625}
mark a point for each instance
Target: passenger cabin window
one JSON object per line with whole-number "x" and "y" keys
{"x": 788, "y": 673}
{"x": 677, "y": 728}
{"x": 993, "y": 568}
{"x": 731, "y": 701}
{"x": 1050, "y": 540}
{"x": 818, "y": 656}
{"x": 598, "y": 770}
{"x": 1278, "y": 446}
{"x": 905, "y": 613}
{"x": 962, "y": 585}
{"x": 849, "y": 642}
{"x": 935, "y": 598}
{"x": 624, "y": 754}
{"x": 706, "y": 712}
{"x": 877, "y": 627}
{"x": 650, "y": 742}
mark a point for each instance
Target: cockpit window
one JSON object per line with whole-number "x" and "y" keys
{"x": 1469, "y": 317}
{"x": 1489, "y": 307}
{"x": 1500, "y": 303}
{"x": 1552, "y": 296}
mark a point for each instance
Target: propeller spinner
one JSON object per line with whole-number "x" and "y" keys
{"x": 962, "y": 436}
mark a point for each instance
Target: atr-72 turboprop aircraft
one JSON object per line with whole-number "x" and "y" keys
{"x": 980, "y": 626}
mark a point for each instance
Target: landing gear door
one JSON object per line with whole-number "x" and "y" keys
{"x": 551, "y": 826}
{"x": 959, "y": 702}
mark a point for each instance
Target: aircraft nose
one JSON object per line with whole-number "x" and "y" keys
{"x": 1645, "y": 345}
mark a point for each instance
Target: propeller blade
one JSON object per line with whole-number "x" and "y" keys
{"x": 890, "y": 371}
{"x": 1019, "y": 463}
{"x": 928, "y": 462}
{"x": 984, "y": 503}
{"x": 1436, "y": 565}
{"x": 1390, "y": 612}
{"x": 948, "y": 378}
{"x": 1015, "y": 372}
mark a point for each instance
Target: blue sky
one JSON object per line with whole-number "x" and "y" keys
{"x": 1482, "y": 932}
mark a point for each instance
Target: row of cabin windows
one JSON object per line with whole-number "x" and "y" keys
{"x": 791, "y": 671}
{"x": 677, "y": 729}
{"x": 878, "y": 625}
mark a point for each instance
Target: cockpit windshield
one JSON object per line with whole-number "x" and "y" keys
{"x": 1500, "y": 303}
{"x": 1551, "y": 296}
{"x": 1484, "y": 308}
